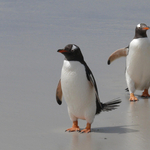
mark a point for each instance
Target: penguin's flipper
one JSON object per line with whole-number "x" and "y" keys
{"x": 91, "y": 79}
{"x": 93, "y": 83}
{"x": 123, "y": 52}
{"x": 59, "y": 93}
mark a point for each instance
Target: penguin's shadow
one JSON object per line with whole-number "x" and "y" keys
{"x": 114, "y": 129}
{"x": 141, "y": 97}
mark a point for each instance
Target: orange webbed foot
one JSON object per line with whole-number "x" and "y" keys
{"x": 132, "y": 97}
{"x": 87, "y": 129}
{"x": 145, "y": 93}
{"x": 74, "y": 127}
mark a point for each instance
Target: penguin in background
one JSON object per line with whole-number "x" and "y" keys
{"x": 137, "y": 62}
{"x": 79, "y": 89}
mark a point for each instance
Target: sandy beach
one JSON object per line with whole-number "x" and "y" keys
{"x": 31, "y": 33}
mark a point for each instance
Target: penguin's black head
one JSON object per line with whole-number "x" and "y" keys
{"x": 72, "y": 52}
{"x": 140, "y": 30}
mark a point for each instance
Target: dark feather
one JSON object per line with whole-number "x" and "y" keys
{"x": 111, "y": 105}
{"x": 127, "y": 90}
{"x": 91, "y": 78}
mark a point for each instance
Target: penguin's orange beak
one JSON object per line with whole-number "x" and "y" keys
{"x": 146, "y": 28}
{"x": 62, "y": 51}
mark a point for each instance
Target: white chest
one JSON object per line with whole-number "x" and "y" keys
{"x": 139, "y": 47}
{"x": 139, "y": 53}
{"x": 77, "y": 90}
{"x": 73, "y": 76}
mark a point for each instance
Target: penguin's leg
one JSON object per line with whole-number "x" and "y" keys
{"x": 75, "y": 126}
{"x": 89, "y": 117}
{"x": 131, "y": 86}
{"x": 145, "y": 93}
{"x": 87, "y": 129}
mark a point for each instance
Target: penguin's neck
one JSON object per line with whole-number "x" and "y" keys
{"x": 140, "y": 35}
{"x": 71, "y": 65}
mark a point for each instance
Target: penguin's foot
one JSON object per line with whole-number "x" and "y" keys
{"x": 87, "y": 129}
{"x": 132, "y": 97}
{"x": 145, "y": 93}
{"x": 74, "y": 127}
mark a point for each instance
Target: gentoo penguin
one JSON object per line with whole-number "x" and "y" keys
{"x": 137, "y": 62}
{"x": 78, "y": 86}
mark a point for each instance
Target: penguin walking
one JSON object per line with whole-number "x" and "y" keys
{"x": 78, "y": 86}
{"x": 137, "y": 62}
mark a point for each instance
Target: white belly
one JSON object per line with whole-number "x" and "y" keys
{"x": 77, "y": 90}
{"x": 138, "y": 63}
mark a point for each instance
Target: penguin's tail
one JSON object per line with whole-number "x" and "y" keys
{"x": 111, "y": 105}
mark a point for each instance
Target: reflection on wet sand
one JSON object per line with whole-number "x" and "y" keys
{"x": 139, "y": 116}
{"x": 81, "y": 141}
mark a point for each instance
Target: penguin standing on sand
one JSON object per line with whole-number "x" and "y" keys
{"x": 137, "y": 62}
{"x": 78, "y": 86}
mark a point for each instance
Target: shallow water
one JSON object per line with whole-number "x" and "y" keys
{"x": 31, "y": 33}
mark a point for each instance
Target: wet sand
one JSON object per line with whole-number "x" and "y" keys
{"x": 31, "y": 33}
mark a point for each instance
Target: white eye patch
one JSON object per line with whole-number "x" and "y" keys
{"x": 139, "y": 25}
{"x": 73, "y": 47}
